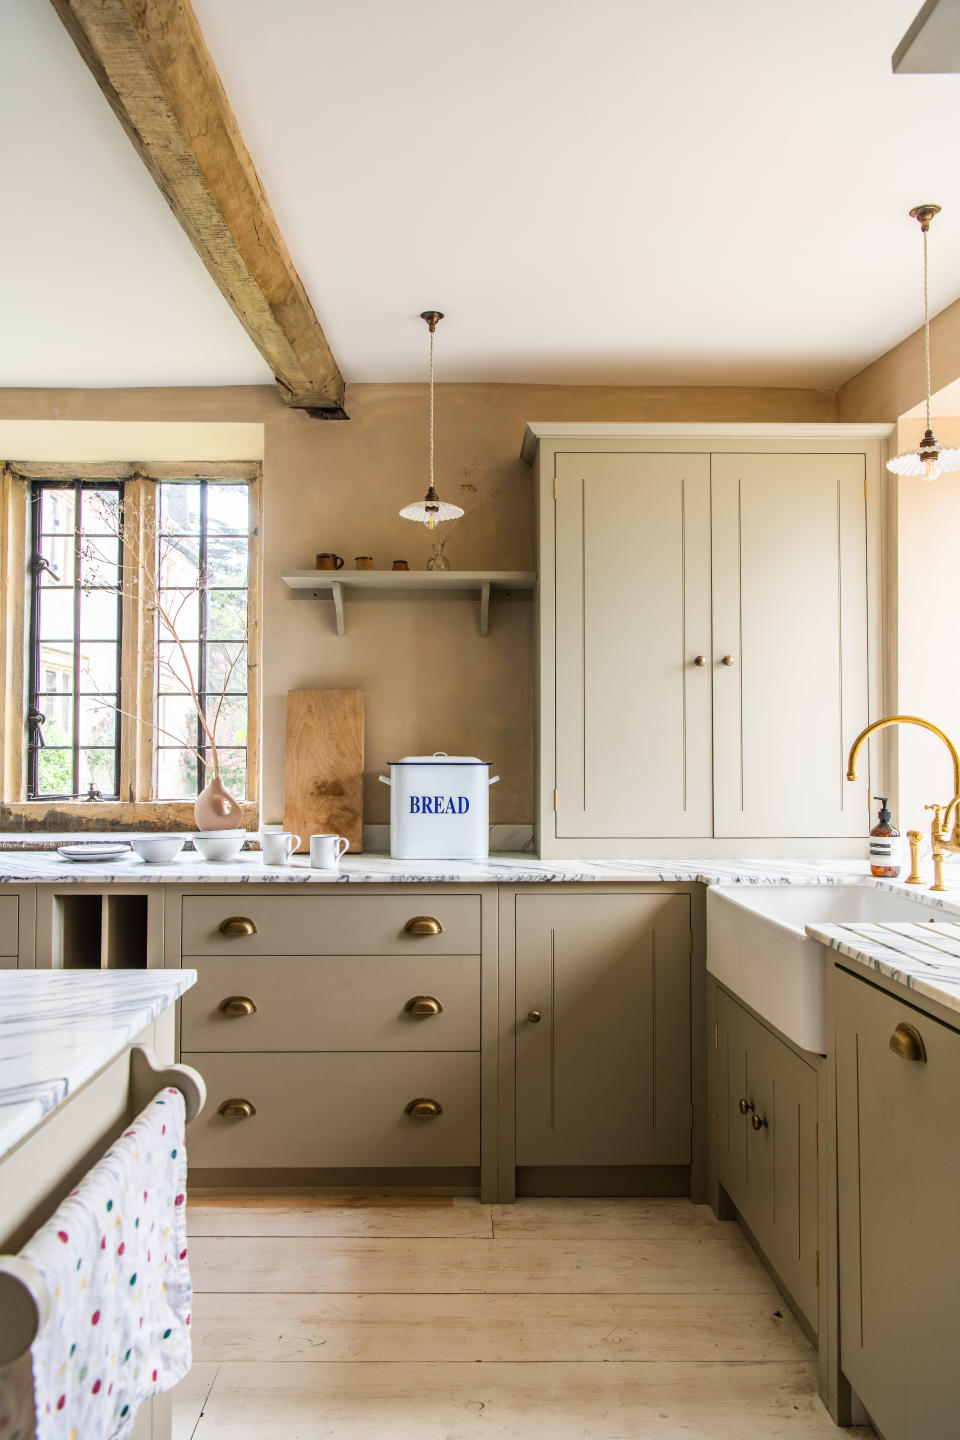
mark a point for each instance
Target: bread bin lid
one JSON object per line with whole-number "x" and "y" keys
{"x": 439, "y": 757}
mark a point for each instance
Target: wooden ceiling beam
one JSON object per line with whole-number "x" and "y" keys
{"x": 150, "y": 60}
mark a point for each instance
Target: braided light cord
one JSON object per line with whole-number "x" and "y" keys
{"x": 926, "y": 326}
{"x": 431, "y": 391}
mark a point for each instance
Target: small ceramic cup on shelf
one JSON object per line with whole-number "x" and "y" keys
{"x": 328, "y": 561}
{"x": 326, "y": 850}
{"x": 277, "y": 846}
{"x": 363, "y": 562}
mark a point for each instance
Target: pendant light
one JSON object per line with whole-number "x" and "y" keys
{"x": 431, "y": 510}
{"x": 931, "y": 459}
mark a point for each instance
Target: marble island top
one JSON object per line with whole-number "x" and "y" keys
{"x": 58, "y": 1028}
{"x": 924, "y": 958}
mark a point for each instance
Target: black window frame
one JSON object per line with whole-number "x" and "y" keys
{"x": 35, "y": 713}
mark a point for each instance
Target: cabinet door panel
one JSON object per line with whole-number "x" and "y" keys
{"x": 632, "y": 614}
{"x": 604, "y": 1077}
{"x": 790, "y": 608}
{"x": 898, "y": 1137}
{"x": 770, "y": 1172}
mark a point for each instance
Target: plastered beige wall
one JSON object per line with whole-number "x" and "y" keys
{"x": 928, "y": 679}
{"x": 431, "y": 681}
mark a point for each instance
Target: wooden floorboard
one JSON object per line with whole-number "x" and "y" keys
{"x": 516, "y": 1402}
{"x": 359, "y": 1318}
{"x": 496, "y": 1327}
{"x": 705, "y": 1262}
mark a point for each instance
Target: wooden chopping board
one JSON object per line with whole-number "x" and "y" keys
{"x": 323, "y": 771}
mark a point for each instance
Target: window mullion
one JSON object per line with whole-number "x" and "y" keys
{"x": 78, "y": 530}
{"x": 204, "y": 626}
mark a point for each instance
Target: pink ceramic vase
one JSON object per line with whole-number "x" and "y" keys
{"x": 216, "y": 809}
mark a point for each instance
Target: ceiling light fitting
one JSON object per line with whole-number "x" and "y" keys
{"x": 431, "y": 510}
{"x": 930, "y": 459}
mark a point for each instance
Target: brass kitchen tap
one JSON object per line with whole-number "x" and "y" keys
{"x": 941, "y": 837}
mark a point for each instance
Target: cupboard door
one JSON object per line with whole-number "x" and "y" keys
{"x": 632, "y": 615}
{"x": 767, "y": 1160}
{"x": 603, "y": 1076}
{"x": 898, "y": 1151}
{"x": 790, "y": 610}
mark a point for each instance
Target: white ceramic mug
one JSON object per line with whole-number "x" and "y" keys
{"x": 277, "y": 846}
{"x": 325, "y": 851}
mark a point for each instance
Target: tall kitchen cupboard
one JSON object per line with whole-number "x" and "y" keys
{"x": 709, "y": 634}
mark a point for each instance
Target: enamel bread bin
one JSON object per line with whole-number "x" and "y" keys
{"x": 439, "y": 807}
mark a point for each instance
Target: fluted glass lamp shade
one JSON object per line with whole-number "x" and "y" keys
{"x": 929, "y": 459}
{"x": 431, "y": 510}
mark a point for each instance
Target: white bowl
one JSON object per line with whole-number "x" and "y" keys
{"x": 158, "y": 849}
{"x": 219, "y": 844}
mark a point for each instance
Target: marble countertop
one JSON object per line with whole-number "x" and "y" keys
{"x": 37, "y": 866}
{"x": 924, "y": 958}
{"x": 58, "y": 1028}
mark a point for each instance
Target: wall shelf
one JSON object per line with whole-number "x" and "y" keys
{"x": 389, "y": 586}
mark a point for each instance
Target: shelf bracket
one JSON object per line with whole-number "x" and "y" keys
{"x": 485, "y": 608}
{"x": 336, "y": 590}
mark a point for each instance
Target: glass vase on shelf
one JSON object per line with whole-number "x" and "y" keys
{"x": 438, "y": 560}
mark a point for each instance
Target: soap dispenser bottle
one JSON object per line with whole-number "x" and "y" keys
{"x": 884, "y": 846}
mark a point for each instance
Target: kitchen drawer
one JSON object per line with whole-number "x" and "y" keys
{"x": 343, "y": 924}
{"x": 335, "y": 1002}
{"x": 343, "y": 1110}
{"x": 10, "y": 924}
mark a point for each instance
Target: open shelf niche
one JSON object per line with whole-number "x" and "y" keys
{"x": 391, "y": 585}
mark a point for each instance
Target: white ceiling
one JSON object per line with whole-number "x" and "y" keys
{"x": 620, "y": 192}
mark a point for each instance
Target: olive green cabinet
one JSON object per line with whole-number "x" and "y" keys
{"x": 603, "y": 1029}
{"x": 767, "y": 1141}
{"x": 898, "y": 1155}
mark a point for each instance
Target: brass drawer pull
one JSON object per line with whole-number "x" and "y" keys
{"x": 238, "y": 1005}
{"x": 423, "y": 1108}
{"x": 237, "y": 1109}
{"x": 534, "y": 1016}
{"x": 700, "y": 661}
{"x": 237, "y": 925}
{"x": 423, "y": 925}
{"x": 746, "y": 1106}
{"x": 757, "y": 1121}
{"x": 907, "y": 1042}
{"x": 424, "y": 1005}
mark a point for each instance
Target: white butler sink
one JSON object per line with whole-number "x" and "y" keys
{"x": 757, "y": 948}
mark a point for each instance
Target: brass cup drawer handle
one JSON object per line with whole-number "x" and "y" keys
{"x": 423, "y": 1108}
{"x": 423, "y": 925}
{"x": 907, "y": 1042}
{"x": 757, "y": 1121}
{"x": 237, "y": 925}
{"x": 423, "y": 1005}
{"x": 745, "y": 1107}
{"x": 237, "y": 1109}
{"x": 238, "y": 1005}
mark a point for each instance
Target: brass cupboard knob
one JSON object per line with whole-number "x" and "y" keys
{"x": 534, "y": 1016}
{"x": 726, "y": 660}
{"x": 907, "y": 1042}
{"x": 757, "y": 1121}
{"x": 237, "y": 925}
{"x": 700, "y": 661}
{"x": 238, "y": 1005}
{"x": 424, "y": 1005}
{"x": 423, "y": 1108}
{"x": 237, "y": 1109}
{"x": 745, "y": 1107}
{"x": 423, "y": 925}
